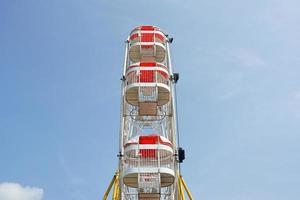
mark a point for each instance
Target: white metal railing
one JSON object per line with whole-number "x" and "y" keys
{"x": 166, "y": 193}
{"x": 149, "y": 182}
{"x": 148, "y": 80}
{"x": 148, "y": 94}
{"x": 139, "y": 75}
{"x": 149, "y": 158}
{"x": 147, "y": 36}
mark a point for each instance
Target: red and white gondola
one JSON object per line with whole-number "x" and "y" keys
{"x": 147, "y": 82}
{"x": 149, "y": 154}
{"x": 147, "y": 43}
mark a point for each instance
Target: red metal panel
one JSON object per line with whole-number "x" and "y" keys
{"x": 147, "y": 64}
{"x": 133, "y": 36}
{"x": 148, "y": 139}
{"x": 147, "y": 28}
{"x": 164, "y": 74}
{"x": 152, "y": 139}
{"x": 148, "y": 153}
{"x": 147, "y": 76}
{"x": 159, "y": 36}
{"x": 147, "y": 46}
{"x": 147, "y": 37}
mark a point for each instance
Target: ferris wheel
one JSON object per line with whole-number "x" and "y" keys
{"x": 149, "y": 152}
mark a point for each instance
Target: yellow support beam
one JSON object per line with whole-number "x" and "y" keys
{"x": 178, "y": 191}
{"x": 116, "y": 188}
{"x": 186, "y": 188}
{"x": 181, "y": 193}
{"x": 113, "y": 182}
{"x": 182, "y": 188}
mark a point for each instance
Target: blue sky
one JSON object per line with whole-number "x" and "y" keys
{"x": 238, "y": 94}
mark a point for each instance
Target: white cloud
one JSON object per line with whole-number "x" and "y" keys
{"x": 14, "y": 191}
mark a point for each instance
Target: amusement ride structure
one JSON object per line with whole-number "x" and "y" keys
{"x": 149, "y": 154}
